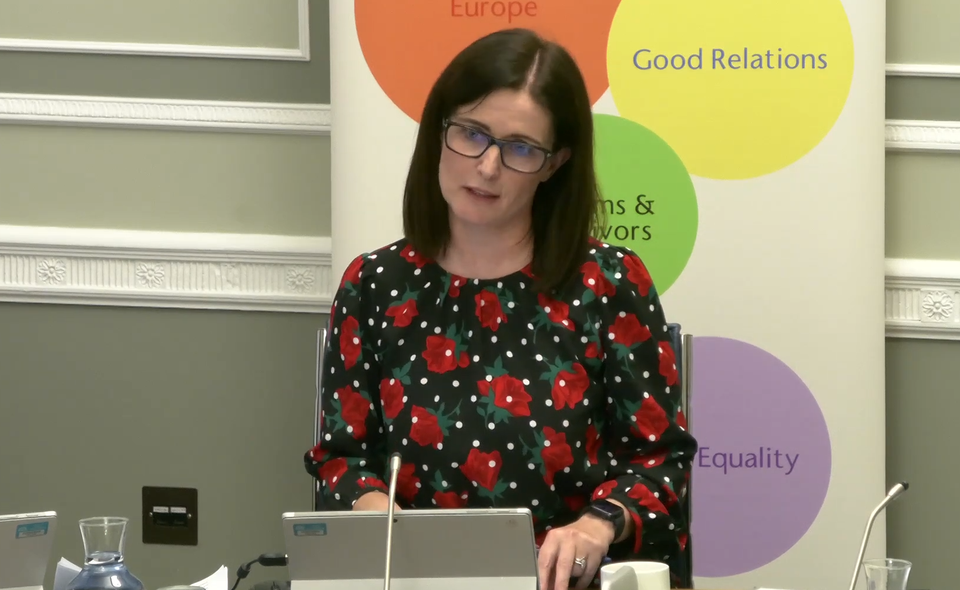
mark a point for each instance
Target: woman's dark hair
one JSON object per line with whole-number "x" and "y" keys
{"x": 566, "y": 207}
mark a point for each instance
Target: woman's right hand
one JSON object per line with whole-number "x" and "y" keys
{"x": 375, "y": 501}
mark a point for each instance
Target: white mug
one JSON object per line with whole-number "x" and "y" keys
{"x": 635, "y": 575}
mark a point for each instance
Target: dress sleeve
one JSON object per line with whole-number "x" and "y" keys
{"x": 349, "y": 460}
{"x": 649, "y": 449}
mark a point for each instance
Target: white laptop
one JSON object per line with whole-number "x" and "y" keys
{"x": 437, "y": 549}
{"x": 26, "y": 542}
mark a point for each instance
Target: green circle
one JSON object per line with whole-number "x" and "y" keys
{"x": 648, "y": 195}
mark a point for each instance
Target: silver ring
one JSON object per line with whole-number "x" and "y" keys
{"x": 582, "y": 562}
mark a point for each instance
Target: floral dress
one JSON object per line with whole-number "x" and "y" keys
{"x": 498, "y": 396}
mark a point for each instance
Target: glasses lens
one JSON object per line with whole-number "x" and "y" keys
{"x": 465, "y": 141}
{"x": 523, "y": 157}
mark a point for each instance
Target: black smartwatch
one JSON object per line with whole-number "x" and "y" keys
{"x": 610, "y": 512}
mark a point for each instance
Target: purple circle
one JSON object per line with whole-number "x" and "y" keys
{"x": 763, "y": 467}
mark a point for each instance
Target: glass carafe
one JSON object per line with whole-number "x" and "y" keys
{"x": 887, "y": 574}
{"x": 103, "y": 567}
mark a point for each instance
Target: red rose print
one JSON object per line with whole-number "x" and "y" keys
{"x": 556, "y": 453}
{"x": 651, "y": 420}
{"x": 425, "y": 430}
{"x": 568, "y": 388}
{"x": 391, "y": 395}
{"x": 668, "y": 363}
{"x": 414, "y": 257}
{"x": 403, "y": 313}
{"x": 647, "y": 499}
{"x": 596, "y": 281}
{"x": 489, "y": 310}
{"x": 354, "y": 409}
{"x": 592, "y": 444}
{"x": 627, "y": 330}
{"x": 449, "y": 500}
{"x": 483, "y": 468}
{"x": 528, "y": 270}
{"x": 352, "y": 274}
{"x": 407, "y": 482}
{"x": 332, "y": 471}
{"x": 575, "y": 503}
{"x": 508, "y": 393}
{"x": 440, "y": 354}
{"x": 318, "y": 453}
{"x": 349, "y": 342}
{"x": 604, "y": 489}
{"x": 557, "y": 311}
{"x": 594, "y": 351}
{"x": 637, "y": 274}
{"x": 372, "y": 482}
{"x": 455, "y": 283}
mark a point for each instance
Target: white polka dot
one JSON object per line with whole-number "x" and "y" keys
{"x": 476, "y": 358}
{"x": 549, "y": 402}
{"x": 546, "y": 443}
{"x": 436, "y": 398}
{"x": 423, "y": 381}
{"x": 653, "y": 437}
{"x": 439, "y": 446}
{"x": 535, "y": 503}
{"x": 489, "y": 378}
{"x": 509, "y": 354}
{"x": 404, "y": 441}
{"x": 531, "y": 466}
{"x": 454, "y": 465}
{"x": 436, "y": 330}
{"x": 493, "y": 339}
{"x": 456, "y": 383}
{"x": 327, "y": 437}
{"x": 473, "y": 398}
{"x": 456, "y": 307}
{"x": 476, "y": 443}
{"x": 394, "y": 293}
{"x": 379, "y": 269}
{"x": 613, "y": 462}
{"x": 591, "y": 282}
{"x": 459, "y": 424}
{"x": 651, "y": 516}
{"x": 491, "y": 426}
{"x": 413, "y": 420}
{"x": 566, "y": 424}
{"x": 509, "y": 446}
{"x": 526, "y": 382}
{"x": 492, "y": 464}
{"x": 586, "y": 402}
{"x": 533, "y": 424}
{"x": 539, "y": 357}
{"x": 671, "y": 526}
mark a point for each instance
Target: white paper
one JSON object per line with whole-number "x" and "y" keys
{"x": 67, "y": 571}
{"x": 218, "y": 580}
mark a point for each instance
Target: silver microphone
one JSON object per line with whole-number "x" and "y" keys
{"x": 892, "y": 495}
{"x": 392, "y": 500}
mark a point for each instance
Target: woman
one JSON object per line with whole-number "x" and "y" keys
{"x": 511, "y": 359}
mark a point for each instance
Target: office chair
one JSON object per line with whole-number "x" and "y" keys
{"x": 318, "y": 420}
{"x": 682, "y": 345}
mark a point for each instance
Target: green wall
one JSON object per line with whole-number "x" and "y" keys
{"x": 96, "y": 402}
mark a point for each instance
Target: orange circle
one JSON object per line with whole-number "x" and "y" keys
{"x": 407, "y": 43}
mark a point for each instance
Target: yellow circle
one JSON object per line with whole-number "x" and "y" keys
{"x": 738, "y": 88}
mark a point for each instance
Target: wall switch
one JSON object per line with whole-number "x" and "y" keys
{"x": 170, "y": 516}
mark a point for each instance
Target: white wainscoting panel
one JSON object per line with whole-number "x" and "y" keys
{"x": 923, "y": 299}
{"x": 924, "y": 70}
{"x": 94, "y": 111}
{"x": 300, "y": 53}
{"x": 165, "y": 269}
{"x": 923, "y": 135}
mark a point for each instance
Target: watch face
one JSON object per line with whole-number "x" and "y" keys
{"x": 609, "y": 509}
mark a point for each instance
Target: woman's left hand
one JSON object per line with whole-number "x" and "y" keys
{"x": 587, "y": 539}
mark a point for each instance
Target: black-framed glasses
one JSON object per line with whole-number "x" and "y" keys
{"x": 473, "y": 143}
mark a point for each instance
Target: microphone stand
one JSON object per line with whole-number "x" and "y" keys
{"x": 392, "y": 500}
{"x": 892, "y": 495}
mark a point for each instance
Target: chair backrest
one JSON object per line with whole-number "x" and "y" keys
{"x": 682, "y": 345}
{"x": 318, "y": 419}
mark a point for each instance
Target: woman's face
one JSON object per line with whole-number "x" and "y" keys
{"x": 482, "y": 191}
